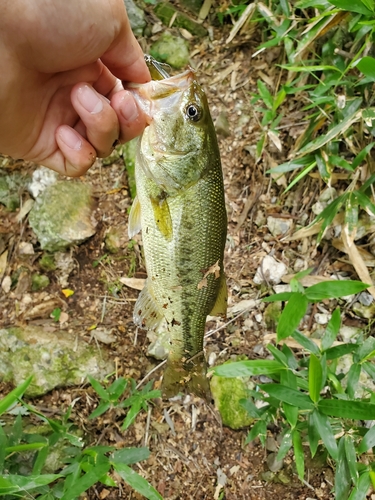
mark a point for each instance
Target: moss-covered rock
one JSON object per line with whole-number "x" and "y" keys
{"x": 55, "y": 359}
{"x": 171, "y": 50}
{"x": 39, "y": 281}
{"x": 165, "y": 11}
{"x": 227, "y": 393}
{"x": 62, "y": 215}
{"x": 11, "y": 187}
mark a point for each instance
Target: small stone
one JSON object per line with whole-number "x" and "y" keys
{"x": 25, "y": 248}
{"x": 62, "y": 215}
{"x": 65, "y": 264}
{"x": 281, "y": 288}
{"x": 270, "y": 271}
{"x": 259, "y": 349}
{"x": 279, "y": 227}
{"x": 273, "y": 463}
{"x": 271, "y": 444}
{"x": 349, "y": 333}
{"x": 322, "y": 318}
{"x": 172, "y": 50}
{"x": 328, "y": 195}
{"x": 42, "y": 178}
{"x": 365, "y": 298}
{"x": 6, "y": 284}
{"x": 39, "y": 281}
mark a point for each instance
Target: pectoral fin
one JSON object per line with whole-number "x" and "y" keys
{"x": 162, "y": 217}
{"x": 220, "y": 306}
{"x": 134, "y": 218}
{"x": 146, "y": 311}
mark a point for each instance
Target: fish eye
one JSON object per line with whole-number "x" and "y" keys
{"x": 193, "y": 112}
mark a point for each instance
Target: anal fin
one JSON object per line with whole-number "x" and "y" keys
{"x": 146, "y": 311}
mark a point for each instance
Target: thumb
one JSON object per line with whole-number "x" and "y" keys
{"x": 125, "y": 58}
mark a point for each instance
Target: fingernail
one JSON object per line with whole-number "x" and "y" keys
{"x": 89, "y": 99}
{"x": 71, "y": 138}
{"x": 129, "y": 109}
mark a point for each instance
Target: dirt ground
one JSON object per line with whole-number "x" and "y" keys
{"x": 184, "y": 461}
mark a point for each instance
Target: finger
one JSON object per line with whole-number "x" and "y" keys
{"x": 99, "y": 118}
{"x": 131, "y": 118}
{"x": 73, "y": 155}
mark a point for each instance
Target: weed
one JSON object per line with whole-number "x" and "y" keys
{"x": 308, "y": 398}
{"x": 25, "y": 458}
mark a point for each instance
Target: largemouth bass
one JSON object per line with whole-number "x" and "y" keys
{"x": 180, "y": 208}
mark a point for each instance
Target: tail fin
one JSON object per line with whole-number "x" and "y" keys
{"x": 188, "y": 376}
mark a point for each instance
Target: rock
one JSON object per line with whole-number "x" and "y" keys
{"x": 349, "y": 333}
{"x": 278, "y": 226}
{"x": 62, "y": 215}
{"x": 11, "y": 187}
{"x": 171, "y": 50}
{"x": 272, "y": 314}
{"x": 270, "y": 271}
{"x": 227, "y": 393}
{"x": 366, "y": 312}
{"x": 42, "y": 178}
{"x": 39, "y": 281}
{"x": 160, "y": 343}
{"x": 273, "y": 464}
{"x": 136, "y": 17}
{"x": 55, "y": 359}
{"x": 165, "y": 11}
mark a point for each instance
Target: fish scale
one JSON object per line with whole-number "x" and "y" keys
{"x": 181, "y": 210}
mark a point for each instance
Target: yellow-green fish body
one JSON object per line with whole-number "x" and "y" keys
{"x": 181, "y": 209}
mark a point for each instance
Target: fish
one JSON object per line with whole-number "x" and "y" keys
{"x": 180, "y": 208}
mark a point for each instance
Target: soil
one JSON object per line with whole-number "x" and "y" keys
{"x": 185, "y": 460}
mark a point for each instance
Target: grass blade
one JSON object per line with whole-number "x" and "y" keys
{"x": 298, "y": 454}
{"x": 325, "y": 431}
{"x": 288, "y": 395}
{"x": 315, "y": 378}
{"x": 137, "y": 482}
{"x": 13, "y": 396}
{"x": 248, "y": 368}
{"x": 292, "y": 315}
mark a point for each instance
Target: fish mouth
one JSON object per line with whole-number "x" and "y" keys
{"x": 147, "y": 93}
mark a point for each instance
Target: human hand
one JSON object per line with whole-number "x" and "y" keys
{"x": 62, "y": 101}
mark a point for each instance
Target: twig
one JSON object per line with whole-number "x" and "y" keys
{"x": 147, "y": 425}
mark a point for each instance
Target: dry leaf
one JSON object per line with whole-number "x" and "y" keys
{"x": 135, "y": 283}
{"x": 356, "y": 259}
{"x": 306, "y": 280}
{"x": 215, "y": 270}
{"x": 3, "y": 262}
{"x": 367, "y": 257}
